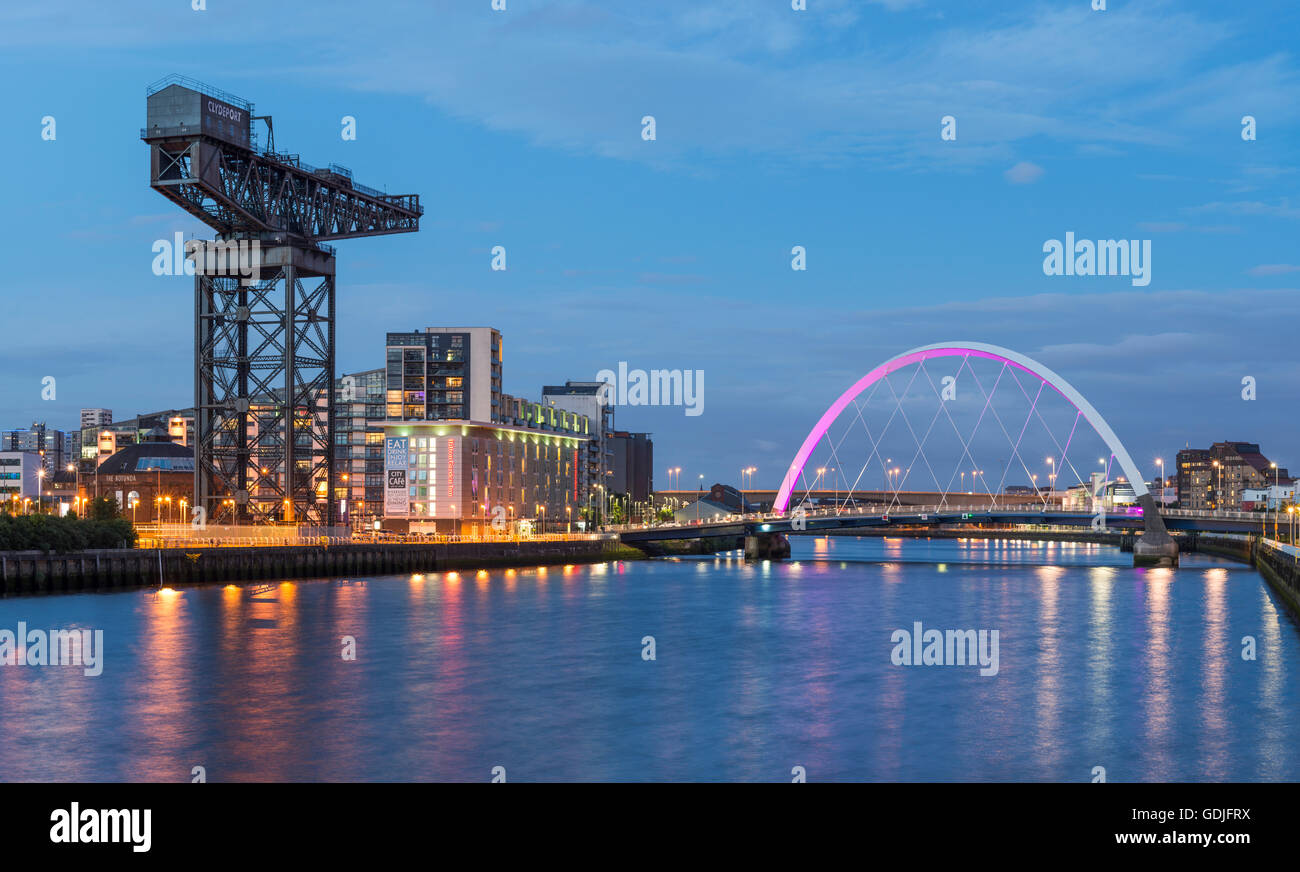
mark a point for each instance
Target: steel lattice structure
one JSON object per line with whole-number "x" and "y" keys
{"x": 240, "y": 192}
{"x": 263, "y": 331}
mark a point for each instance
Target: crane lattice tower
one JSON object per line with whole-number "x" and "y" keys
{"x": 263, "y": 300}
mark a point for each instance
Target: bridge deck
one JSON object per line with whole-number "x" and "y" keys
{"x": 824, "y": 521}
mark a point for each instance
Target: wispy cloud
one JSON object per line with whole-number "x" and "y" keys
{"x": 1273, "y": 269}
{"x": 1024, "y": 173}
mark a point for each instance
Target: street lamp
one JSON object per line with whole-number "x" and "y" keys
{"x": 748, "y": 470}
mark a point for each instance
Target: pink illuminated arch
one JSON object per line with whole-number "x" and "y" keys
{"x": 959, "y": 349}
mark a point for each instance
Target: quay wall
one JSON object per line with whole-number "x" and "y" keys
{"x": 34, "y": 572}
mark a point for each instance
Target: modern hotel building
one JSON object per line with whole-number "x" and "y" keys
{"x": 460, "y": 456}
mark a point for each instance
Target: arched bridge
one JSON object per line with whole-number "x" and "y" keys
{"x": 1032, "y": 379}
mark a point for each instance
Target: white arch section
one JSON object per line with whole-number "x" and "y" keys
{"x": 960, "y": 349}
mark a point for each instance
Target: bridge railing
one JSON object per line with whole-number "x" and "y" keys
{"x": 948, "y": 509}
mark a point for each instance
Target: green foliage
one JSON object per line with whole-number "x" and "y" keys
{"x": 62, "y": 535}
{"x": 104, "y": 509}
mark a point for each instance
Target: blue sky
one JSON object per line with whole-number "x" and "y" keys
{"x": 775, "y": 128}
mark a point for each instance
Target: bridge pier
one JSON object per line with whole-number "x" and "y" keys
{"x": 767, "y": 546}
{"x": 1155, "y": 547}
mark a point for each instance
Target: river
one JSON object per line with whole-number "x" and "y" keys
{"x": 760, "y": 672}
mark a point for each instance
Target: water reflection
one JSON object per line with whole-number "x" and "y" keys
{"x": 1157, "y": 693}
{"x": 1214, "y": 685}
{"x": 757, "y": 668}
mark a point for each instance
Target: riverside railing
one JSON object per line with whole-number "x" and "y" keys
{"x": 283, "y": 540}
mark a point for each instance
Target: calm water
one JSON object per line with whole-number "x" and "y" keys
{"x": 759, "y": 668}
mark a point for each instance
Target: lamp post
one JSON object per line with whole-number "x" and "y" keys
{"x": 1275, "y": 495}
{"x": 1161, "y": 462}
{"x": 748, "y": 470}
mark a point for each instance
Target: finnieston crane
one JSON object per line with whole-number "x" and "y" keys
{"x": 263, "y": 331}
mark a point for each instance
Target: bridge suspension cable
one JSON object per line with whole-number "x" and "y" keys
{"x": 1014, "y": 373}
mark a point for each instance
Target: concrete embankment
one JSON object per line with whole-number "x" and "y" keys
{"x": 1282, "y": 572}
{"x": 33, "y": 572}
{"x": 1280, "y": 569}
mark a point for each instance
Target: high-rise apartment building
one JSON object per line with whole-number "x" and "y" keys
{"x": 592, "y": 401}
{"x": 444, "y": 374}
{"x": 359, "y": 445}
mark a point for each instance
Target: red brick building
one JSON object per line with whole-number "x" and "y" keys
{"x": 150, "y": 480}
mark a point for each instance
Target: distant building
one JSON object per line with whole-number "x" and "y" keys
{"x": 103, "y": 441}
{"x": 591, "y": 400}
{"x": 1164, "y": 490}
{"x": 702, "y": 510}
{"x": 1217, "y": 477}
{"x": 1098, "y": 493}
{"x": 1269, "y": 498}
{"x": 19, "y": 476}
{"x": 93, "y": 419}
{"x": 49, "y": 445}
{"x": 718, "y": 501}
{"x": 633, "y": 467}
{"x": 60, "y": 492}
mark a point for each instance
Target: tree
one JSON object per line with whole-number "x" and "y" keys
{"x": 104, "y": 509}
